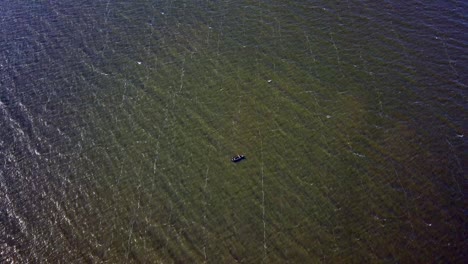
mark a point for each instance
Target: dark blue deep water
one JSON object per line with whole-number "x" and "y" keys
{"x": 119, "y": 119}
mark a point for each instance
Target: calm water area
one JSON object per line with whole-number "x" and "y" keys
{"x": 119, "y": 119}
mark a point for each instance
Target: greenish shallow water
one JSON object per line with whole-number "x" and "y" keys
{"x": 350, "y": 116}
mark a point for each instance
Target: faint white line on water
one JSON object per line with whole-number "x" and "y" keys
{"x": 107, "y": 11}
{"x": 309, "y": 44}
{"x": 263, "y": 197}
{"x": 129, "y": 241}
{"x": 169, "y": 225}
{"x": 406, "y": 199}
{"x": 336, "y": 49}
{"x": 182, "y": 74}
{"x": 447, "y": 54}
{"x": 120, "y": 174}
{"x": 279, "y": 27}
{"x": 459, "y": 165}
{"x": 157, "y": 154}
{"x": 205, "y": 188}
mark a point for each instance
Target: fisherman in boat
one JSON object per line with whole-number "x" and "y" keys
{"x": 238, "y": 158}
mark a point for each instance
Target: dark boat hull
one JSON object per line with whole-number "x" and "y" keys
{"x": 238, "y": 158}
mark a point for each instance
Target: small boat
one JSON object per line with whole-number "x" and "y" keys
{"x": 237, "y": 158}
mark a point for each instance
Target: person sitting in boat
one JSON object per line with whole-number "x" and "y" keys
{"x": 238, "y": 158}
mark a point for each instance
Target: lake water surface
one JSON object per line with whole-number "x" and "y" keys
{"x": 118, "y": 120}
